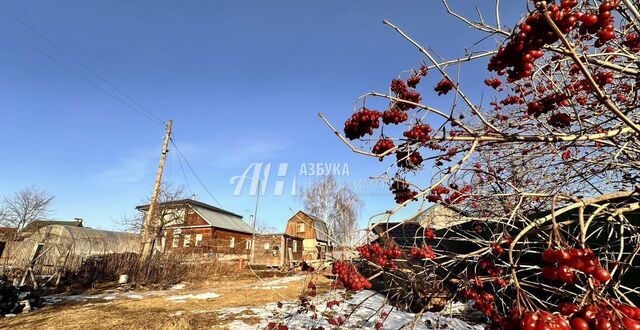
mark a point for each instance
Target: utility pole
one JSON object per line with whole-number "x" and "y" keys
{"x": 148, "y": 230}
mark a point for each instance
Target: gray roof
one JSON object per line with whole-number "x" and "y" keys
{"x": 224, "y": 220}
{"x": 439, "y": 216}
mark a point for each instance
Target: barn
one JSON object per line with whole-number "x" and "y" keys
{"x": 198, "y": 228}
{"x": 315, "y": 235}
{"x": 276, "y": 250}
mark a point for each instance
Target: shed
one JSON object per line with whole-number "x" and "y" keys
{"x": 55, "y": 247}
{"x": 276, "y": 250}
{"x": 314, "y": 232}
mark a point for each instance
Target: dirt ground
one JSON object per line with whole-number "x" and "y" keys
{"x": 146, "y": 309}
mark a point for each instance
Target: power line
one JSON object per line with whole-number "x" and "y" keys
{"x": 194, "y": 173}
{"x": 142, "y": 111}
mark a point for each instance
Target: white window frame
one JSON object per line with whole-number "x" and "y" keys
{"x": 176, "y": 241}
{"x": 232, "y": 242}
{"x": 198, "y": 240}
{"x": 294, "y": 246}
{"x": 267, "y": 246}
{"x": 247, "y": 244}
{"x": 301, "y": 227}
{"x": 187, "y": 241}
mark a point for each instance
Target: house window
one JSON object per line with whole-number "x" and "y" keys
{"x": 198, "y": 239}
{"x": 247, "y": 244}
{"x": 295, "y": 246}
{"x": 232, "y": 242}
{"x": 187, "y": 241}
{"x": 301, "y": 228}
{"x": 176, "y": 239}
{"x": 266, "y": 246}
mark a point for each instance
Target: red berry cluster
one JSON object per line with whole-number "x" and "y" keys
{"x": 602, "y": 315}
{"x": 362, "y": 123}
{"x": 403, "y": 92}
{"x": 490, "y": 267}
{"x": 458, "y": 196}
{"x": 483, "y": 301}
{"x": 394, "y": 116}
{"x": 424, "y": 252}
{"x": 600, "y": 24}
{"x": 566, "y": 154}
{"x": 511, "y": 100}
{"x": 444, "y": 86}
{"x": 429, "y": 233}
{"x": 494, "y": 83}
{"x": 413, "y": 81}
{"x": 535, "y": 320}
{"x": 436, "y": 193}
{"x": 405, "y": 160}
{"x": 419, "y": 132}
{"x": 633, "y": 42}
{"x": 383, "y": 257}
{"x": 560, "y": 120}
{"x": 336, "y": 321}
{"x": 383, "y": 145}
{"x": 567, "y": 261}
{"x": 603, "y": 78}
{"x": 332, "y": 303}
{"x": 276, "y": 326}
{"x": 402, "y": 191}
{"x": 547, "y": 103}
{"x": 348, "y": 275}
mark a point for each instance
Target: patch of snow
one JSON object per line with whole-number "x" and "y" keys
{"x": 177, "y": 313}
{"x": 239, "y": 325}
{"x": 134, "y": 296}
{"x": 208, "y": 295}
{"x": 9, "y": 315}
{"x": 269, "y": 287}
{"x": 284, "y": 280}
{"x": 178, "y": 286}
{"x": 109, "y": 298}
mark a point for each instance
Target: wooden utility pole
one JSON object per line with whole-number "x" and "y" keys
{"x": 148, "y": 229}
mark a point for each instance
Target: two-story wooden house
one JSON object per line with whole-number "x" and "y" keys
{"x": 195, "y": 227}
{"x": 314, "y": 232}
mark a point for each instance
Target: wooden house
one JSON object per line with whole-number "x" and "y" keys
{"x": 194, "y": 227}
{"x": 315, "y": 235}
{"x": 276, "y": 250}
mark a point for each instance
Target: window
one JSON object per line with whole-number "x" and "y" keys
{"x": 266, "y": 246}
{"x": 198, "y": 239}
{"x": 247, "y": 244}
{"x": 301, "y": 228}
{"x": 176, "y": 239}
{"x": 295, "y": 246}
{"x": 232, "y": 242}
{"x": 187, "y": 241}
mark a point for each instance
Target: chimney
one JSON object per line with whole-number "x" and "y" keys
{"x": 78, "y": 222}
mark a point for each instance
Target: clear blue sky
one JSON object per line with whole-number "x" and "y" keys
{"x": 242, "y": 80}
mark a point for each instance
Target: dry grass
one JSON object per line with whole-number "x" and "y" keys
{"x": 155, "y": 312}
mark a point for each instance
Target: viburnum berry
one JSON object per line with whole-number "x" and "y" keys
{"x": 348, "y": 275}
{"x": 419, "y": 132}
{"x": 413, "y": 81}
{"x": 383, "y": 145}
{"x": 362, "y": 123}
{"x": 560, "y": 120}
{"x": 394, "y": 116}
{"x": 494, "y": 83}
{"x": 444, "y": 86}
{"x": 402, "y": 191}
{"x": 406, "y": 160}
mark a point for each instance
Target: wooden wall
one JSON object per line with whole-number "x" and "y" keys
{"x": 272, "y": 250}
{"x": 294, "y": 223}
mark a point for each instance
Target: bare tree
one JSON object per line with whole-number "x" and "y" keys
{"x": 25, "y": 206}
{"x": 338, "y": 205}
{"x": 164, "y": 215}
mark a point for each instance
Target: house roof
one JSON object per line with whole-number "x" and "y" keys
{"x": 224, "y": 220}
{"x": 439, "y": 216}
{"x": 191, "y": 202}
{"x": 321, "y": 227}
{"x": 35, "y": 225}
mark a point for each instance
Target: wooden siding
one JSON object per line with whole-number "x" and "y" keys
{"x": 293, "y": 226}
{"x": 273, "y": 250}
{"x": 214, "y": 240}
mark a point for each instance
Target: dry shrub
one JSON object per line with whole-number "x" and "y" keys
{"x": 162, "y": 270}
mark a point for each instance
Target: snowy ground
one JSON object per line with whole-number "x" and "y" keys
{"x": 365, "y": 309}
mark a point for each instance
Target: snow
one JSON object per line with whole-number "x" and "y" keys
{"x": 208, "y": 295}
{"x": 178, "y": 286}
{"x": 269, "y": 287}
{"x": 365, "y": 308}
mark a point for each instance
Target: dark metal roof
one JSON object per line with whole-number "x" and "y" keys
{"x": 190, "y": 202}
{"x": 35, "y": 225}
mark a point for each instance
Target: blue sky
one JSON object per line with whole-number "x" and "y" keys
{"x": 242, "y": 80}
